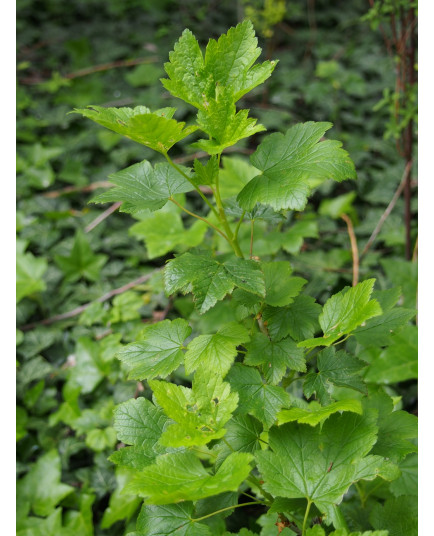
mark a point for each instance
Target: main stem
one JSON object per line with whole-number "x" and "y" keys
{"x": 222, "y": 216}
{"x": 195, "y": 520}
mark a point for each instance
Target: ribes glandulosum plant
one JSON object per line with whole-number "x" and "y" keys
{"x": 243, "y": 432}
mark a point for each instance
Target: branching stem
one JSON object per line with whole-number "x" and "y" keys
{"x": 186, "y": 177}
{"x": 306, "y": 515}
{"x": 225, "y": 510}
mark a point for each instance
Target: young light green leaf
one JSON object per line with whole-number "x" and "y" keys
{"x": 344, "y": 312}
{"x": 216, "y": 352}
{"x": 228, "y": 63}
{"x": 299, "y": 319}
{"x": 257, "y": 398}
{"x": 157, "y": 130}
{"x": 176, "y": 519}
{"x": 288, "y": 162}
{"x": 280, "y": 287}
{"x": 206, "y": 174}
{"x": 199, "y": 413}
{"x": 275, "y": 357}
{"x": 140, "y": 187}
{"x": 180, "y": 476}
{"x": 223, "y": 124}
{"x": 159, "y": 352}
{"x": 317, "y": 414}
{"x": 334, "y": 368}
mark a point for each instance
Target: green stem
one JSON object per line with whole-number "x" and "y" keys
{"x": 306, "y": 515}
{"x": 199, "y": 218}
{"x": 179, "y": 170}
{"x": 252, "y": 225}
{"x": 224, "y": 510}
{"x": 361, "y": 494}
{"x": 253, "y": 480}
{"x": 237, "y": 228}
{"x": 222, "y": 217}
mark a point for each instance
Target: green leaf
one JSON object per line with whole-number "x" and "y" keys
{"x": 216, "y": 352}
{"x": 316, "y": 414}
{"x": 397, "y": 515}
{"x": 157, "y": 130}
{"x": 181, "y": 477}
{"x": 206, "y": 174}
{"x": 29, "y": 278}
{"x": 396, "y": 429}
{"x": 257, "y": 398}
{"x": 81, "y": 262}
{"x": 288, "y": 162}
{"x": 398, "y": 362}
{"x": 299, "y": 319}
{"x": 342, "y": 204}
{"x": 42, "y": 487}
{"x": 235, "y": 174}
{"x": 163, "y": 231}
{"x": 176, "y": 519}
{"x": 275, "y": 357}
{"x": 199, "y": 413}
{"x": 142, "y": 187}
{"x": 407, "y": 483}
{"x": 120, "y": 506}
{"x": 280, "y": 287}
{"x": 210, "y": 280}
{"x": 334, "y": 368}
{"x": 228, "y": 63}
{"x": 344, "y": 312}
{"x": 159, "y": 352}
{"x": 319, "y": 464}
{"x": 242, "y": 435}
{"x": 223, "y": 124}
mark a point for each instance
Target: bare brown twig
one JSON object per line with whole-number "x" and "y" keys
{"x": 101, "y": 299}
{"x": 389, "y": 209}
{"x": 354, "y": 249}
{"x": 102, "y": 216}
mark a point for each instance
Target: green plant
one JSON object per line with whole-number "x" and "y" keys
{"x": 233, "y": 427}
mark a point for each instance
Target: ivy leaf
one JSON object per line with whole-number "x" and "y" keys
{"x": 160, "y": 520}
{"x": 334, "y": 368}
{"x": 281, "y": 288}
{"x": 29, "y": 278}
{"x": 164, "y": 231}
{"x": 216, "y": 352}
{"x": 140, "y": 187}
{"x": 210, "y": 280}
{"x": 398, "y": 362}
{"x": 275, "y": 357}
{"x": 159, "y": 352}
{"x": 180, "y": 476}
{"x": 42, "y": 487}
{"x": 299, "y": 319}
{"x": 199, "y": 413}
{"x": 81, "y": 262}
{"x": 157, "y": 130}
{"x": 319, "y": 464}
{"x": 316, "y": 414}
{"x": 288, "y": 162}
{"x": 242, "y": 435}
{"x": 257, "y": 398}
{"x": 344, "y": 312}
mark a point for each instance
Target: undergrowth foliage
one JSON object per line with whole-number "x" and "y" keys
{"x": 274, "y": 410}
